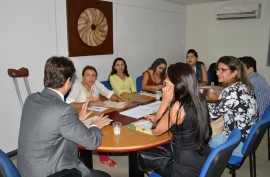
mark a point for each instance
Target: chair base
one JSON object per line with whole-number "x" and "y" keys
{"x": 252, "y": 166}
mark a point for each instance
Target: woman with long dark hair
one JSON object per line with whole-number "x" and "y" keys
{"x": 183, "y": 111}
{"x": 198, "y": 67}
{"x": 121, "y": 82}
{"x": 154, "y": 76}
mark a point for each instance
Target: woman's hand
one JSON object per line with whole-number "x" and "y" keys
{"x": 101, "y": 121}
{"x": 92, "y": 98}
{"x": 213, "y": 96}
{"x": 150, "y": 117}
{"x": 97, "y": 103}
{"x": 122, "y": 100}
{"x": 167, "y": 93}
{"x": 159, "y": 87}
{"x": 84, "y": 114}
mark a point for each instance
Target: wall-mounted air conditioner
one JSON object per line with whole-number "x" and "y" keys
{"x": 238, "y": 11}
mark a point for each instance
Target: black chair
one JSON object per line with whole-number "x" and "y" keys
{"x": 219, "y": 156}
{"x": 250, "y": 146}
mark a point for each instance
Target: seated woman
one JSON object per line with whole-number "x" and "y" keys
{"x": 183, "y": 111}
{"x": 236, "y": 102}
{"x": 89, "y": 89}
{"x": 155, "y": 75}
{"x": 121, "y": 82}
{"x": 198, "y": 67}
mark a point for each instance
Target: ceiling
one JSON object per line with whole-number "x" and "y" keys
{"x": 190, "y": 2}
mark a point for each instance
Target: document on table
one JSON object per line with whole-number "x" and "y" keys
{"x": 147, "y": 125}
{"x": 112, "y": 104}
{"x": 97, "y": 108}
{"x": 142, "y": 110}
{"x": 206, "y": 87}
{"x": 87, "y": 122}
{"x": 148, "y": 94}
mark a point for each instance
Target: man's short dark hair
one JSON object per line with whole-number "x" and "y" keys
{"x": 249, "y": 62}
{"x": 57, "y": 71}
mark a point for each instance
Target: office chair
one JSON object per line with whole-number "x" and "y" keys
{"x": 7, "y": 168}
{"x": 153, "y": 174}
{"x": 217, "y": 160}
{"x": 139, "y": 83}
{"x": 24, "y": 73}
{"x": 250, "y": 146}
{"x": 264, "y": 116}
{"x": 107, "y": 84}
{"x": 210, "y": 79}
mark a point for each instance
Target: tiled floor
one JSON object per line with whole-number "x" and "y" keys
{"x": 263, "y": 165}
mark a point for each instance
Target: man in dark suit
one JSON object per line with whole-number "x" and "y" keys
{"x": 51, "y": 129}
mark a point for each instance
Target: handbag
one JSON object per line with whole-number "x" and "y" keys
{"x": 155, "y": 158}
{"x": 67, "y": 173}
{"x": 217, "y": 126}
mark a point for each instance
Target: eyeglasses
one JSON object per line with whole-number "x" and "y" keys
{"x": 221, "y": 70}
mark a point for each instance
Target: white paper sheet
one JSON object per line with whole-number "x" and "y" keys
{"x": 148, "y": 94}
{"x": 142, "y": 111}
{"x": 206, "y": 87}
{"x": 147, "y": 125}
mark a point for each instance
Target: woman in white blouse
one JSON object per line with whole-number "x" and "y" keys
{"x": 89, "y": 89}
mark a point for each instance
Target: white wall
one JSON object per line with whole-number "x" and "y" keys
{"x": 32, "y": 31}
{"x": 215, "y": 38}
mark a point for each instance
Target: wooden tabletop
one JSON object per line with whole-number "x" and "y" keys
{"x": 129, "y": 140}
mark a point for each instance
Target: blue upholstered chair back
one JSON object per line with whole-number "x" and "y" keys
{"x": 219, "y": 156}
{"x": 139, "y": 83}
{"x": 251, "y": 144}
{"x": 107, "y": 84}
{"x": 7, "y": 168}
{"x": 256, "y": 134}
{"x": 210, "y": 77}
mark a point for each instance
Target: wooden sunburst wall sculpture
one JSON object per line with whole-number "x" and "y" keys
{"x": 90, "y": 27}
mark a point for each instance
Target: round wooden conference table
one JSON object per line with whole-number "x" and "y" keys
{"x": 129, "y": 140}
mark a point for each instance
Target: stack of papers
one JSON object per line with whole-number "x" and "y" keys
{"x": 148, "y": 94}
{"x": 112, "y": 104}
{"x": 142, "y": 110}
{"x": 207, "y": 88}
{"x": 88, "y": 122}
{"x": 143, "y": 126}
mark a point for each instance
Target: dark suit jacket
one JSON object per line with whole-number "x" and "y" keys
{"x": 49, "y": 133}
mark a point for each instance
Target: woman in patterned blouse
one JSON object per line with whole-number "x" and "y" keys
{"x": 236, "y": 103}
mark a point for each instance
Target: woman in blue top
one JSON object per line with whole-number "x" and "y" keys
{"x": 198, "y": 67}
